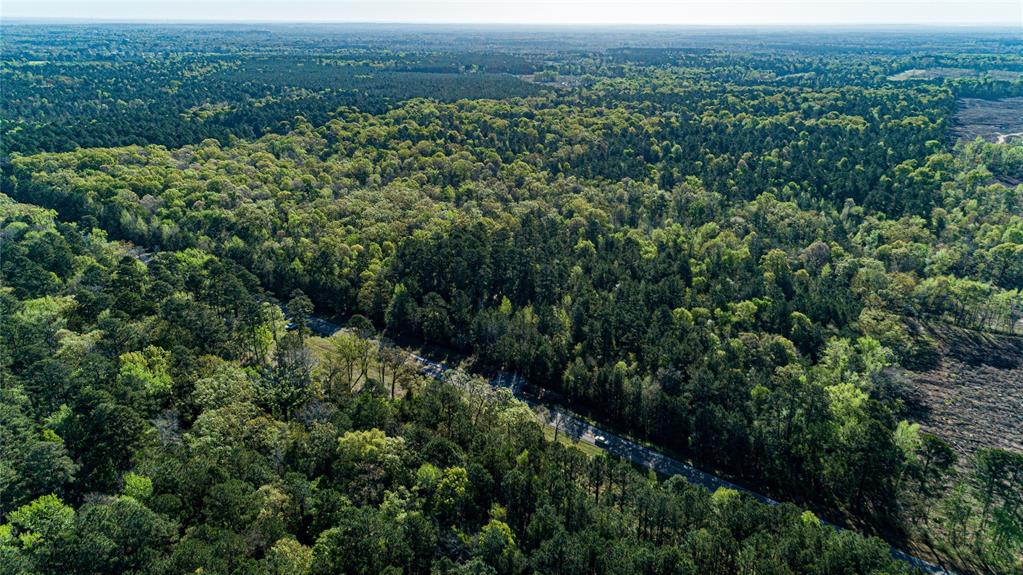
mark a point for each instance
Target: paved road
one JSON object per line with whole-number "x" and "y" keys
{"x": 581, "y": 430}
{"x": 321, "y": 327}
{"x": 640, "y": 455}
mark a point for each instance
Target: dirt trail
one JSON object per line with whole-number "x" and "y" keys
{"x": 1002, "y": 138}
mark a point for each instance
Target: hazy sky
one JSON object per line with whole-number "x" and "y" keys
{"x": 1004, "y": 12}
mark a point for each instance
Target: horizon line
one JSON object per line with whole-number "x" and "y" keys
{"x": 256, "y": 21}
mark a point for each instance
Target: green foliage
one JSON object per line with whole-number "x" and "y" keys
{"x": 723, "y": 251}
{"x": 146, "y": 371}
{"x": 138, "y": 487}
{"x": 496, "y": 546}
{"x": 288, "y": 557}
{"x": 41, "y": 521}
{"x": 370, "y": 461}
{"x": 983, "y": 511}
{"x": 217, "y": 478}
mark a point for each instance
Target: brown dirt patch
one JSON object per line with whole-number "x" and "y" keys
{"x": 993, "y": 120}
{"x": 973, "y": 396}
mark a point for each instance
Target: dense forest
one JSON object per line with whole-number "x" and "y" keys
{"x": 727, "y": 248}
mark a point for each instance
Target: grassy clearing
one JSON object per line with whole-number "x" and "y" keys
{"x": 587, "y": 448}
{"x": 320, "y": 346}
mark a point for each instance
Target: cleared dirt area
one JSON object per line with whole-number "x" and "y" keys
{"x": 973, "y": 396}
{"x": 935, "y": 73}
{"x": 993, "y": 120}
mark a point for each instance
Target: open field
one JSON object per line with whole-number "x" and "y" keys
{"x": 936, "y": 73}
{"x": 993, "y": 120}
{"x": 973, "y": 398}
